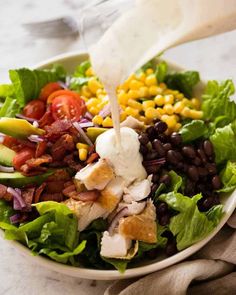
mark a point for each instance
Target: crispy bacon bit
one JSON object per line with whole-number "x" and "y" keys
{"x": 57, "y": 129}
{"x": 89, "y": 196}
{"x": 93, "y": 157}
{"x": 68, "y": 183}
{"x": 54, "y": 187}
{"x": 57, "y": 197}
{"x": 70, "y": 161}
{"x": 59, "y": 175}
{"x": 35, "y": 162}
{"x": 70, "y": 192}
{"x": 33, "y": 166}
{"x": 40, "y": 149}
{"x": 64, "y": 144}
{"x": 47, "y": 118}
{"x": 38, "y": 192}
{"x": 4, "y": 194}
{"x": 28, "y": 195}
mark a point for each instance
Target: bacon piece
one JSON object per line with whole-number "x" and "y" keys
{"x": 64, "y": 144}
{"x": 59, "y": 175}
{"x": 33, "y": 166}
{"x": 35, "y": 162}
{"x": 54, "y": 187}
{"x": 70, "y": 161}
{"x": 47, "y": 118}
{"x": 38, "y": 192}
{"x": 57, "y": 129}
{"x": 89, "y": 196}
{"x": 40, "y": 149}
{"x": 28, "y": 195}
{"x": 70, "y": 192}
{"x": 4, "y": 194}
{"x": 93, "y": 157}
{"x": 57, "y": 197}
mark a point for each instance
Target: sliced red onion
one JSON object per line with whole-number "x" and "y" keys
{"x": 86, "y": 124}
{"x": 159, "y": 161}
{"x": 88, "y": 115}
{"x": 15, "y": 218}
{"x": 20, "y": 116}
{"x": 18, "y": 202}
{"x": 123, "y": 212}
{"x": 62, "y": 84}
{"x": 106, "y": 111}
{"x": 2, "y": 136}
{"x": 84, "y": 120}
{"x": 82, "y": 133}
{"x": 35, "y": 138}
{"x": 36, "y": 124}
{"x": 6, "y": 169}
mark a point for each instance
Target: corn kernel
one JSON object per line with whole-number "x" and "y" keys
{"x": 97, "y": 120}
{"x": 179, "y": 96}
{"x": 195, "y": 114}
{"x": 84, "y": 98}
{"x": 83, "y": 153}
{"x": 160, "y": 111}
{"x": 196, "y": 103}
{"x": 107, "y": 122}
{"x": 149, "y": 71}
{"x": 153, "y": 90}
{"x": 143, "y": 91}
{"x": 185, "y": 112}
{"x": 142, "y": 119}
{"x": 151, "y": 80}
{"x": 186, "y": 101}
{"x": 159, "y": 100}
{"x": 93, "y": 110}
{"x": 148, "y": 104}
{"x": 134, "y": 104}
{"x": 135, "y": 85}
{"x": 101, "y": 96}
{"x": 89, "y": 72}
{"x": 123, "y": 116}
{"x": 99, "y": 91}
{"x": 133, "y": 94}
{"x": 101, "y": 105}
{"x": 124, "y": 86}
{"x": 178, "y": 107}
{"x": 85, "y": 91}
{"x": 168, "y": 109}
{"x": 94, "y": 85}
{"x": 177, "y": 127}
{"x": 169, "y": 99}
{"x": 141, "y": 76}
{"x": 164, "y": 117}
{"x": 151, "y": 113}
{"x": 163, "y": 85}
{"x": 177, "y": 118}
{"x": 80, "y": 145}
{"x": 123, "y": 98}
{"x": 170, "y": 121}
{"x": 131, "y": 112}
{"x": 93, "y": 102}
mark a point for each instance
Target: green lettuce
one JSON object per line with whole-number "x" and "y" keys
{"x": 190, "y": 225}
{"x": 224, "y": 142}
{"x": 10, "y": 108}
{"x": 161, "y": 71}
{"x": 54, "y": 233}
{"x": 6, "y": 211}
{"x": 228, "y": 177}
{"x": 193, "y": 130}
{"x": 79, "y": 77}
{"x": 6, "y": 90}
{"x": 184, "y": 82}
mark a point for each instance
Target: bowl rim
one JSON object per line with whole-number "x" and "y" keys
{"x": 98, "y": 274}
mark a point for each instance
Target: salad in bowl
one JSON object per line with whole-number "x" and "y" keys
{"x": 67, "y": 196}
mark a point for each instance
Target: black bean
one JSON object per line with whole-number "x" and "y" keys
{"x": 151, "y": 155}
{"x": 163, "y": 138}
{"x": 152, "y": 169}
{"x": 189, "y": 152}
{"x": 154, "y": 188}
{"x": 175, "y": 139}
{"x": 202, "y": 171}
{"x": 161, "y": 208}
{"x": 208, "y": 148}
{"x": 143, "y": 149}
{"x": 202, "y": 155}
{"x": 152, "y": 254}
{"x": 150, "y": 132}
{"x": 156, "y": 120}
{"x": 157, "y": 145}
{"x": 193, "y": 173}
{"x": 180, "y": 166}
{"x": 164, "y": 220}
{"x": 189, "y": 187}
{"x": 155, "y": 178}
{"x": 160, "y": 127}
{"x": 171, "y": 248}
{"x": 216, "y": 199}
{"x": 211, "y": 167}
{"x": 216, "y": 182}
{"x": 197, "y": 161}
{"x": 167, "y": 146}
{"x": 207, "y": 203}
{"x": 185, "y": 167}
{"x": 166, "y": 179}
{"x": 174, "y": 157}
{"x": 143, "y": 138}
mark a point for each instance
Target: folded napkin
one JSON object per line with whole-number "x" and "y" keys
{"x": 210, "y": 271}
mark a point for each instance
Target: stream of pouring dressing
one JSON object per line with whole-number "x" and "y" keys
{"x": 140, "y": 34}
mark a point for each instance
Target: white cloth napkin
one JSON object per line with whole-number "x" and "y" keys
{"x": 210, "y": 271}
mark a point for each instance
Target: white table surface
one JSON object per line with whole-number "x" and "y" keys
{"x": 214, "y": 57}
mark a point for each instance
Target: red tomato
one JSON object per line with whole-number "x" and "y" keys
{"x": 21, "y": 157}
{"x": 10, "y": 142}
{"x": 66, "y": 104}
{"x": 49, "y": 89}
{"x": 35, "y": 109}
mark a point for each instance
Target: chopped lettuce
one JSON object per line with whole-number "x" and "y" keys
{"x": 193, "y": 130}
{"x": 54, "y": 233}
{"x": 10, "y": 108}
{"x": 190, "y": 225}
{"x": 79, "y": 77}
{"x": 224, "y": 142}
{"x": 6, "y": 211}
{"x": 6, "y": 90}
{"x": 216, "y": 102}
{"x": 228, "y": 177}
{"x": 161, "y": 71}
{"x": 184, "y": 82}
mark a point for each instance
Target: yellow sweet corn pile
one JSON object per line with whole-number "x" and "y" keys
{"x": 142, "y": 97}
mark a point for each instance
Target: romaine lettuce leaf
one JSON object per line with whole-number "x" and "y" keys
{"x": 184, "y": 82}
{"x": 161, "y": 71}
{"x": 216, "y": 102}
{"x": 228, "y": 177}
{"x": 6, "y": 90}
{"x": 9, "y": 108}
{"x": 224, "y": 142}
{"x": 193, "y": 130}
{"x": 79, "y": 77}
{"x": 190, "y": 225}
{"x": 6, "y": 211}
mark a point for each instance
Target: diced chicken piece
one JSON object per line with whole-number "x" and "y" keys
{"x": 114, "y": 246}
{"x": 127, "y": 198}
{"x": 86, "y": 212}
{"x": 96, "y": 176}
{"x": 111, "y": 195}
{"x": 139, "y": 190}
{"x": 140, "y": 227}
{"x": 134, "y": 208}
{"x": 133, "y": 123}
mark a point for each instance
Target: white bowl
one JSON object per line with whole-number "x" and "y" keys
{"x": 70, "y": 61}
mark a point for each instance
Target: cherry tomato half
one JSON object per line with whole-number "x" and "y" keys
{"x": 49, "y": 89}
{"x": 22, "y": 156}
{"x": 35, "y": 109}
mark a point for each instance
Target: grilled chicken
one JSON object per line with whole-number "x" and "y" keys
{"x": 137, "y": 191}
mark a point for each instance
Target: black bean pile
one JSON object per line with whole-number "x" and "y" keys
{"x": 194, "y": 162}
